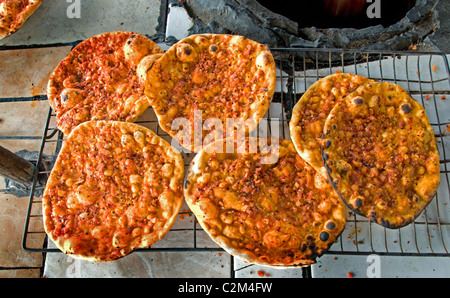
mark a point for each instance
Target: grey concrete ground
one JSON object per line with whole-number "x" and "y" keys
{"x": 441, "y": 37}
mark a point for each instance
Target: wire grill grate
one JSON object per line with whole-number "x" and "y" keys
{"x": 425, "y": 75}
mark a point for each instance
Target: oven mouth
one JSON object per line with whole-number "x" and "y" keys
{"x": 356, "y": 14}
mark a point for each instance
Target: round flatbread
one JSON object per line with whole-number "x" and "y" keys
{"x": 381, "y": 155}
{"x": 207, "y": 77}
{"x": 268, "y": 207}
{"x": 311, "y": 111}
{"x": 98, "y": 80}
{"x": 13, "y": 13}
{"x": 115, "y": 187}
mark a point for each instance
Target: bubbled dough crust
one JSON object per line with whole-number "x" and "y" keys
{"x": 307, "y": 147}
{"x": 186, "y": 51}
{"x": 197, "y": 168}
{"x": 171, "y": 156}
{"x": 136, "y": 49}
{"x": 393, "y": 96}
{"x": 7, "y": 28}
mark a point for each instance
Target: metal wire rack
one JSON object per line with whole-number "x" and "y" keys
{"x": 425, "y": 75}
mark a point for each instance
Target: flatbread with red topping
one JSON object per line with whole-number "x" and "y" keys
{"x": 115, "y": 187}
{"x": 380, "y": 153}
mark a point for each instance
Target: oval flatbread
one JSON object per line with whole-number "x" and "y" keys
{"x": 13, "y": 13}
{"x": 115, "y": 187}
{"x": 265, "y": 205}
{"x": 311, "y": 111}
{"x": 381, "y": 155}
{"x": 210, "y": 77}
{"x": 98, "y": 80}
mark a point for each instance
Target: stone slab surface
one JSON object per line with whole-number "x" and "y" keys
{"x": 51, "y": 23}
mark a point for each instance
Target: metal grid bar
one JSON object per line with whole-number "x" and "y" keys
{"x": 297, "y": 69}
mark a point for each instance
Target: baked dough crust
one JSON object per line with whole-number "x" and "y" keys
{"x": 311, "y": 111}
{"x": 223, "y": 76}
{"x": 268, "y": 208}
{"x": 98, "y": 80}
{"x": 13, "y": 13}
{"x": 381, "y": 155}
{"x": 115, "y": 187}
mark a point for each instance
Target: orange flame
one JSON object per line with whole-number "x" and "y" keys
{"x": 344, "y": 8}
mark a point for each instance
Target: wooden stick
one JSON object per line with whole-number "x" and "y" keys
{"x": 16, "y": 168}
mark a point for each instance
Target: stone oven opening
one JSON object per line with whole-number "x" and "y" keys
{"x": 342, "y": 24}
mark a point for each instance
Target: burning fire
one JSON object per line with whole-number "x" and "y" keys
{"x": 344, "y": 7}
